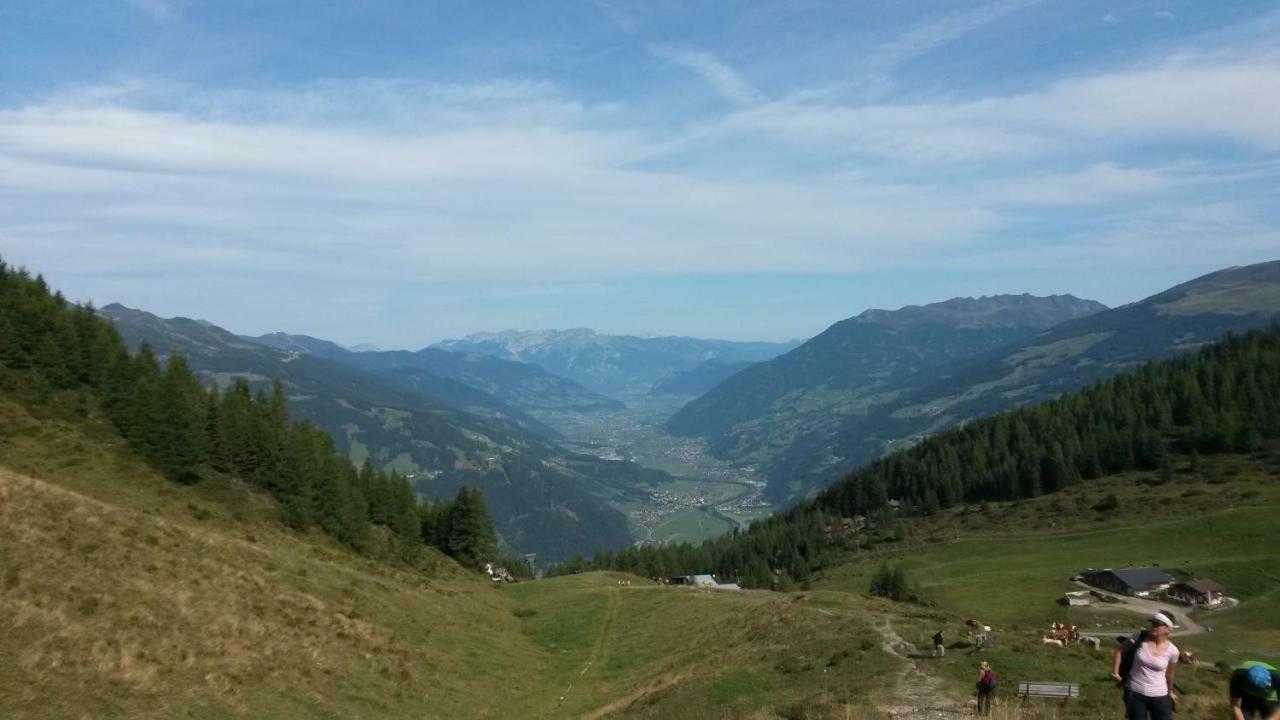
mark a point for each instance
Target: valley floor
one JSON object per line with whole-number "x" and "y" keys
{"x": 708, "y": 498}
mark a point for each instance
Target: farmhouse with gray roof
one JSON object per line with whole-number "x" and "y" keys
{"x": 1138, "y": 582}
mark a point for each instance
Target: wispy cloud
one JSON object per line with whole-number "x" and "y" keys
{"x": 1211, "y": 100}
{"x": 724, "y": 80}
{"x": 934, "y": 34}
{"x": 488, "y": 201}
{"x": 158, "y": 9}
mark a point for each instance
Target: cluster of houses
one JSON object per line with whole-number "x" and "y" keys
{"x": 845, "y": 526}
{"x": 1149, "y": 582}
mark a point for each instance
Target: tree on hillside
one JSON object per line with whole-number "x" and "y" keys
{"x": 471, "y": 539}
{"x": 183, "y": 416}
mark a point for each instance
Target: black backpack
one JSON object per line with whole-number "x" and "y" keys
{"x": 1130, "y": 649}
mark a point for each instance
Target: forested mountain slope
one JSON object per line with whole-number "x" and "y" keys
{"x": 1061, "y": 359}
{"x": 60, "y": 361}
{"x": 611, "y": 364}
{"x": 786, "y": 414}
{"x": 537, "y": 492}
{"x": 1223, "y": 398}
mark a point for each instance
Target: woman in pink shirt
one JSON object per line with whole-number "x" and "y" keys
{"x": 1149, "y": 686}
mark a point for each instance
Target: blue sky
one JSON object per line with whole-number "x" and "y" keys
{"x": 403, "y": 172}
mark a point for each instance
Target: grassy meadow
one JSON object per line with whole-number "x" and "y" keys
{"x": 123, "y": 595}
{"x": 1007, "y": 564}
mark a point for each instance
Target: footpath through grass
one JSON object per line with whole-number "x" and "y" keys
{"x": 643, "y": 650}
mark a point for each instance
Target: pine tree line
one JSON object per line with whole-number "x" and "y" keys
{"x": 49, "y": 347}
{"x": 1224, "y": 397}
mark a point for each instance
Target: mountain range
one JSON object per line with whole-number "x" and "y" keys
{"x": 885, "y": 379}
{"x": 527, "y": 388}
{"x": 543, "y": 498}
{"x": 612, "y": 364}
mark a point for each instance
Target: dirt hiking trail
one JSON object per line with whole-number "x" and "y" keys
{"x": 917, "y": 694}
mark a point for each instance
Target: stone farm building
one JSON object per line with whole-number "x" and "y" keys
{"x": 1205, "y": 593}
{"x": 1138, "y": 582}
{"x": 701, "y": 581}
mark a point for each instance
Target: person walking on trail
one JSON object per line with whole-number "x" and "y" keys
{"x": 987, "y": 682}
{"x": 1144, "y": 667}
{"x": 1254, "y": 692}
{"x": 939, "y": 650}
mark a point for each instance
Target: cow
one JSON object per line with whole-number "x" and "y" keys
{"x": 1188, "y": 657}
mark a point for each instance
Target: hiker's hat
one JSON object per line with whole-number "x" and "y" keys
{"x": 1260, "y": 677}
{"x": 1162, "y": 619}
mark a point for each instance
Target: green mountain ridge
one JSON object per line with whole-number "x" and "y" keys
{"x": 827, "y": 407}
{"x": 1136, "y": 427}
{"x": 768, "y": 413}
{"x": 1061, "y": 359}
{"x": 538, "y": 493}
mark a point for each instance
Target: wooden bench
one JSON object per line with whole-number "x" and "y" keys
{"x": 1061, "y": 691}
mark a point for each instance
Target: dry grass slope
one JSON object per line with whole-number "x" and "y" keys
{"x": 124, "y": 596}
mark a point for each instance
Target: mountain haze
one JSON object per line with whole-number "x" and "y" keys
{"x": 699, "y": 379}
{"x": 528, "y": 388}
{"x": 612, "y": 364}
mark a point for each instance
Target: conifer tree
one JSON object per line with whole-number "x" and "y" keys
{"x": 471, "y": 537}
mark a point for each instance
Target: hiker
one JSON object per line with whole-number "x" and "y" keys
{"x": 938, "y": 649}
{"x": 987, "y": 682}
{"x": 1143, "y": 666}
{"x": 1254, "y": 687}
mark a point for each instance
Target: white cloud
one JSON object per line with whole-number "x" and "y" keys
{"x": 1164, "y": 15}
{"x": 108, "y": 188}
{"x": 1231, "y": 101}
{"x": 1098, "y": 183}
{"x": 726, "y": 81}
{"x": 1110, "y": 19}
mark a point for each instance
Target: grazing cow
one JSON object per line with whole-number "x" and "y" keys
{"x": 1093, "y": 642}
{"x": 1051, "y": 641}
{"x": 1189, "y": 658}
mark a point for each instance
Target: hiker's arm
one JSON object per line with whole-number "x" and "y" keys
{"x": 1236, "y": 712}
{"x": 1168, "y": 677}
